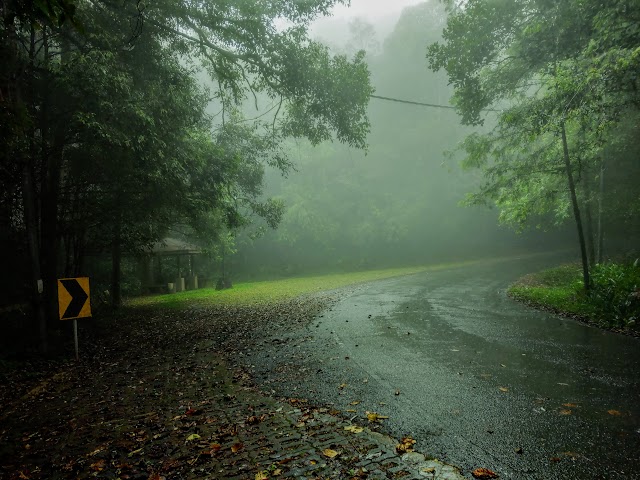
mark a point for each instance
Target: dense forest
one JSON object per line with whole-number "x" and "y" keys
{"x": 229, "y": 125}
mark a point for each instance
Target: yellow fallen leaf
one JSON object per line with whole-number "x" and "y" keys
{"x": 565, "y": 412}
{"x": 504, "y": 389}
{"x": 428, "y": 470}
{"x": 262, "y": 476}
{"x": 277, "y": 472}
{"x": 569, "y": 405}
{"x": 374, "y": 417}
{"x": 406, "y": 445}
{"x": 312, "y": 462}
{"x": 341, "y": 386}
{"x": 131, "y": 454}
{"x": 97, "y": 451}
{"x": 350, "y": 410}
{"x": 327, "y": 452}
{"x": 355, "y": 402}
{"x": 615, "y": 413}
{"x": 354, "y": 429}
{"x": 193, "y": 436}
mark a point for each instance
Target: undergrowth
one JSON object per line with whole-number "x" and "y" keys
{"x": 613, "y": 300}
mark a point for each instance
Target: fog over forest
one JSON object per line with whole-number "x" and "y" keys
{"x": 401, "y": 202}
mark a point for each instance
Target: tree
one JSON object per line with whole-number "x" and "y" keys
{"x": 108, "y": 143}
{"x": 560, "y": 75}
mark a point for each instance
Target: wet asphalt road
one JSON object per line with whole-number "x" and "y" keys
{"x": 477, "y": 379}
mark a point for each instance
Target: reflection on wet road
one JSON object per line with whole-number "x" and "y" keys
{"x": 482, "y": 380}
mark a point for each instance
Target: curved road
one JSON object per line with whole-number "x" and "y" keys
{"x": 477, "y": 379}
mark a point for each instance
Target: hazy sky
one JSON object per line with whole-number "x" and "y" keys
{"x": 383, "y": 14}
{"x": 373, "y": 9}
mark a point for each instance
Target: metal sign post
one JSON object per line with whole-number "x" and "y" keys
{"x": 74, "y": 302}
{"x": 75, "y": 337}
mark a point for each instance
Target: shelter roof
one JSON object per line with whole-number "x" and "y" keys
{"x": 173, "y": 246}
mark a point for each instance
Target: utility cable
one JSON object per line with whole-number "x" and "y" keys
{"x": 422, "y": 104}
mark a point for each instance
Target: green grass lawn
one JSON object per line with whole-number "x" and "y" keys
{"x": 252, "y": 293}
{"x": 559, "y": 289}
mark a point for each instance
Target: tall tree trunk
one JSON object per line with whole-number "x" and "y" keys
{"x": 116, "y": 257}
{"x": 576, "y": 211}
{"x": 49, "y": 238}
{"x": 52, "y": 140}
{"x": 29, "y": 199}
{"x": 600, "y": 210}
{"x": 31, "y": 226}
{"x": 590, "y": 236}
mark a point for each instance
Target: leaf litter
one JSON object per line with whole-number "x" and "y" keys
{"x": 159, "y": 414}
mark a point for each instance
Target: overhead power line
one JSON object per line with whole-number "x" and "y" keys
{"x": 422, "y": 104}
{"x": 433, "y": 105}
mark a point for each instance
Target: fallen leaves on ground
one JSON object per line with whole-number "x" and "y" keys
{"x": 254, "y": 420}
{"x": 503, "y": 389}
{"x": 236, "y": 447}
{"x": 405, "y": 445}
{"x": 262, "y": 476}
{"x": 565, "y": 412}
{"x": 329, "y": 453}
{"x": 615, "y": 413}
{"x": 354, "y": 429}
{"x": 483, "y": 473}
{"x": 99, "y": 465}
{"x": 374, "y": 417}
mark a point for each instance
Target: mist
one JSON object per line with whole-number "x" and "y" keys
{"x": 400, "y": 202}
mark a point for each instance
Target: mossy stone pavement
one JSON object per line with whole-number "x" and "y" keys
{"x": 160, "y": 402}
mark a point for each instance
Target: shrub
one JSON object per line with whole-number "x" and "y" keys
{"x": 615, "y": 292}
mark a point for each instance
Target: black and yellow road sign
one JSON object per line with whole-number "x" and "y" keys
{"x": 73, "y": 298}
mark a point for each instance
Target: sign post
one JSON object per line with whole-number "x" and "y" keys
{"x": 74, "y": 302}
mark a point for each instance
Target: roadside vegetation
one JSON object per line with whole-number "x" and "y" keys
{"x": 613, "y": 301}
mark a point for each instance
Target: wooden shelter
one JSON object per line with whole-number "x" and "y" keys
{"x": 163, "y": 253}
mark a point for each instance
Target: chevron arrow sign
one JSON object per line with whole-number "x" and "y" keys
{"x": 73, "y": 298}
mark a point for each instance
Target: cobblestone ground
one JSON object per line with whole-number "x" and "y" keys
{"x": 170, "y": 410}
